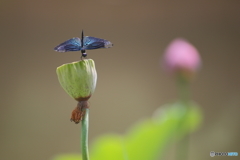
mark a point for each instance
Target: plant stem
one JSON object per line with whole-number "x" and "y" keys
{"x": 183, "y": 89}
{"x": 184, "y": 93}
{"x": 84, "y": 134}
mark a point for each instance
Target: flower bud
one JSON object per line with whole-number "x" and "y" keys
{"x": 79, "y": 80}
{"x": 181, "y": 56}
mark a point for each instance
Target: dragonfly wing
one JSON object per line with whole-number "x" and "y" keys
{"x": 73, "y": 44}
{"x": 95, "y": 43}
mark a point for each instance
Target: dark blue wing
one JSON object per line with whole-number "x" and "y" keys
{"x": 73, "y": 44}
{"x": 95, "y": 43}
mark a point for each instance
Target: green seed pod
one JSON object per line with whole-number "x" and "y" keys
{"x": 78, "y": 79}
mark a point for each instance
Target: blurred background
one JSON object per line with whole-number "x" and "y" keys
{"x": 35, "y": 110}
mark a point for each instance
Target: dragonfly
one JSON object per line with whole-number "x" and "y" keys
{"x": 83, "y": 44}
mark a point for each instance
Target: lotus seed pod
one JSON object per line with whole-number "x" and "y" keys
{"x": 78, "y": 79}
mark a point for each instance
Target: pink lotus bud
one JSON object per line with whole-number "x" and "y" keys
{"x": 181, "y": 56}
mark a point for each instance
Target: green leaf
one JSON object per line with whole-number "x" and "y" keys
{"x": 150, "y": 138}
{"x": 108, "y": 147}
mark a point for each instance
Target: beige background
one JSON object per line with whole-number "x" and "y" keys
{"x": 35, "y": 111}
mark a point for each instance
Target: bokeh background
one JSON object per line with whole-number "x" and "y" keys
{"x": 35, "y": 111}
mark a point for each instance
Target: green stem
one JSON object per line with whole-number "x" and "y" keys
{"x": 84, "y": 134}
{"x": 184, "y": 94}
{"x": 183, "y": 89}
